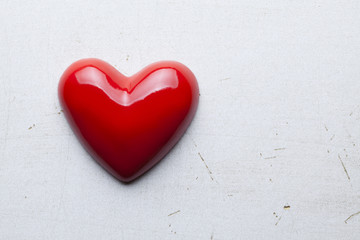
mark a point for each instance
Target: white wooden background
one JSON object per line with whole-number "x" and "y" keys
{"x": 278, "y": 125}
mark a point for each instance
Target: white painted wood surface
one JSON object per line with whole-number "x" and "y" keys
{"x": 278, "y": 122}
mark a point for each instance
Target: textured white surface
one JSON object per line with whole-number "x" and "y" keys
{"x": 277, "y": 125}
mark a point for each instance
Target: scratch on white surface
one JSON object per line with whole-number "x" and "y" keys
{"x": 286, "y": 207}
{"x": 352, "y": 215}
{"x": 203, "y": 160}
{"x": 207, "y": 167}
{"x": 173, "y": 213}
{"x": 278, "y": 221}
{"x": 279, "y": 149}
{"x": 272, "y": 157}
{"x": 224, "y": 79}
{"x": 342, "y": 163}
{"x": 194, "y": 142}
{"x": 52, "y": 114}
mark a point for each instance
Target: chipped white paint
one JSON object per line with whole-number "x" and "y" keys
{"x": 278, "y": 121}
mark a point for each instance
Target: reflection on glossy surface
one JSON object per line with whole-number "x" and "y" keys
{"x": 125, "y": 96}
{"x": 128, "y": 124}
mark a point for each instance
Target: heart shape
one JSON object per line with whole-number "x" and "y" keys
{"x": 128, "y": 124}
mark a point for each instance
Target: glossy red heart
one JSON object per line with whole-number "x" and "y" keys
{"x": 128, "y": 124}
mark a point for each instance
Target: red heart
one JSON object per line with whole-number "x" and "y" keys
{"x": 128, "y": 124}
